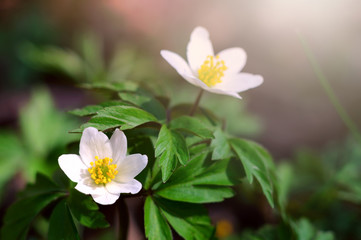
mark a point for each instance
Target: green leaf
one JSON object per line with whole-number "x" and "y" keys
{"x": 221, "y": 146}
{"x": 91, "y": 51}
{"x": 156, "y": 227}
{"x": 124, "y": 117}
{"x": 306, "y": 231}
{"x": 61, "y": 223}
{"x": 146, "y": 101}
{"x": 11, "y": 155}
{"x": 43, "y": 128}
{"x": 51, "y": 58}
{"x": 201, "y": 181}
{"x": 269, "y": 232}
{"x": 169, "y": 148}
{"x": 191, "y": 125}
{"x": 191, "y": 221}
{"x": 196, "y": 193}
{"x": 42, "y": 185}
{"x": 19, "y": 215}
{"x": 113, "y": 87}
{"x": 143, "y": 144}
{"x": 85, "y": 210}
{"x": 93, "y": 109}
{"x": 257, "y": 163}
{"x": 284, "y": 175}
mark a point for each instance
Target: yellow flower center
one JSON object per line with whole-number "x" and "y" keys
{"x": 212, "y": 70}
{"x": 102, "y": 171}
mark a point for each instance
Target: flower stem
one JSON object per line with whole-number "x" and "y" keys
{"x": 196, "y": 103}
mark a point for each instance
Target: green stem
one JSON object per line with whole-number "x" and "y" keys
{"x": 330, "y": 93}
{"x": 196, "y": 103}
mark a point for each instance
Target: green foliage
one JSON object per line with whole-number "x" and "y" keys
{"x": 61, "y": 223}
{"x": 37, "y": 197}
{"x": 257, "y": 163}
{"x": 181, "y": 174}
{"x": 124, "y": 117}
{"x": 43, "y": 132}
{"x": 201, "y": 181}
{"x": 146, "y": 101}
{"x": 38, "y": 119}
{"x": 85, "y": 210}
{"x": 156, "y": 226}
{"x": 305, "y": 231}
{"x": 20, "y": 215}
{"x": 191, "y": 221}
{"x": 191, "y": 125}
{"x": 221, "y": 146}
{"x": 52, "y": 58}
{"x": 86, "y": 63}
{"x": 93, "y": 109}
{"x": 11, "y": 155}
{"x": 324, "y": 187}
{"x": 169, "y": 149}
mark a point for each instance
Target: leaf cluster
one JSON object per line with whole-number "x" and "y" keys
{"x": 192, "y": 161}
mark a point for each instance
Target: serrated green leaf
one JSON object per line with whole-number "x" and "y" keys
{"x": 191, "y": 125}
{"x": 191, "y": 221}
{"x": 169, "y": 148}
{"x": 196, "y": 193}
{"x": 85, "y": 210}
{"x": 156, "y": 227}
{"x": 124, "y": 117}
{"x": 200, "y": 181}
{"x": 221, "y": 146}
{"x": 146, "y": 101}
{"x": 93, "y": 109}
{"x": 256, "y": 164}
{"x": 61, "y": 224}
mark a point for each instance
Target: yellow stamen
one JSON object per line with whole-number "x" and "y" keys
{"x": 212, "y": 71}
{"x": 102, "y": 171}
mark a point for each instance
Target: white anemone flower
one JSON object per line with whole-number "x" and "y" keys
{"x": 103, "y": 170}
{"x": 219, "y": 73}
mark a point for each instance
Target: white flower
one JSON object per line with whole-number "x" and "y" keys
{"x": 103, "y": 169}
{"x": 215, "y": 73}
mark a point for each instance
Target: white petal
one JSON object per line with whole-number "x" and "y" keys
{"x": 118, "y": 141}
{"x": 229, "y": 93}
{"x": 234, "y": 58}
{"x": 132, "y": 187}
{"x": 94, "y": 143}
{"x": 198, "y": 82}
{"x": 72, "y": 166}
{"x": 105, "y": 199}
{"x": 240, "y": 82}
{"x": 88, "y": 186}
{"x": 178, "y": 63}
{"x": 199, "y": 47}
{"x": 131, "y": 167}
{"x": 215, "y": 89}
